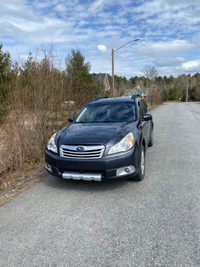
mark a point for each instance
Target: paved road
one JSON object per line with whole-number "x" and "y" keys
{"x": 152, "y": 223}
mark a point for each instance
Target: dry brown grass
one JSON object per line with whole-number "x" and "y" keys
{"x": 16, "y": 182}
{"x": 24, "y": 136}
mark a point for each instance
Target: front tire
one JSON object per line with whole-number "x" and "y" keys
{"x": 140, "y": 176}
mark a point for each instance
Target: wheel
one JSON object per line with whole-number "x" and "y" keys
{"x": 151, "y": 138}
{"x": 141, "y": 174}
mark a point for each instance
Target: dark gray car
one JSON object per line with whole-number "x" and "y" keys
{"x": 107, "y": 140}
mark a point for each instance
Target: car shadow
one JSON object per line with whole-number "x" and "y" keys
{"x": 81, "y": 185}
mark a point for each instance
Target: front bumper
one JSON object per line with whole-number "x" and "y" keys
{"x": 101, "y": 169}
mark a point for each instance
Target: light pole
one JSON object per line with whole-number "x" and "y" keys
{"x": 113, "y": 51}
{"x": 186, "y": 89}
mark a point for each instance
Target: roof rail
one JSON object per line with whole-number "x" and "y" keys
{"x": 136, "y": 96}
{"x": 97, "y": 98}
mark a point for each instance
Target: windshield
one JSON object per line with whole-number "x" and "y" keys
{"x": 116, "y": 112}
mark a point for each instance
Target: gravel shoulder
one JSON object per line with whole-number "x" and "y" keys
{"x": 20, "y": 181}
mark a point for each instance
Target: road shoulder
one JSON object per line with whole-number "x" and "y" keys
{"x": 21, "y": 181}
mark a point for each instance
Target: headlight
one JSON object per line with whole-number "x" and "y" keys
{"x": 124, "y": 145}
{"x": 51, "y": 144}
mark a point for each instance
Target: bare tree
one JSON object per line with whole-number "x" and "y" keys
{"x": 150, "y": 72}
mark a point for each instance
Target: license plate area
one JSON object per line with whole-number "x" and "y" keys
{"x": 82, "y": 176}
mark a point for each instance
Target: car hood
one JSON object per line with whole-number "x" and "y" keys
{"x": 94, "y": 133}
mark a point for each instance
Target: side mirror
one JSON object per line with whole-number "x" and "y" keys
{"x": 71, "y": 119}
{"x": 147, "y": 117}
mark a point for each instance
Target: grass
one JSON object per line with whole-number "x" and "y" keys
{"x": 18, "y": 181}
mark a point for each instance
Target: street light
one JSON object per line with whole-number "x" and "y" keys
{"x": 113, "y": 51}
{"x": 186, "y": 89}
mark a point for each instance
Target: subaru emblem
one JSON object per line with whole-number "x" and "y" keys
{"x": 80, "y": 148}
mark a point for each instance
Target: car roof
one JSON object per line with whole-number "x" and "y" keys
{"x": 124, "y": 99}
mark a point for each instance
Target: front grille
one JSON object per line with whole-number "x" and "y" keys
{"x": 81, "y": 152}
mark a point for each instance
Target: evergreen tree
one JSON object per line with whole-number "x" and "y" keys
{"x": 81, "y": 85}
{"x": 5, "y": 73}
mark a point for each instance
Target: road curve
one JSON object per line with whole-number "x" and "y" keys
{"x": 155, "y": 222}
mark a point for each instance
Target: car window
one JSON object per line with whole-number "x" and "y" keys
{"x": 114, "y": 112}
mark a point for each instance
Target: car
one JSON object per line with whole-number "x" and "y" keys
{"x": 106, "y": 141}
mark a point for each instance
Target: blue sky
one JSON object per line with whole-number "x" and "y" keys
{"x": 168, "y": 31}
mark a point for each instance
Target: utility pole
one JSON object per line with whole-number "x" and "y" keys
{"x": 186, "y": 89}
{"x": 113, "y": 51}
{"x": 113, "y": 79}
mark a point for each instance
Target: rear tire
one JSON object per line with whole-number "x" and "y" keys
{"x": 140, "y": 176}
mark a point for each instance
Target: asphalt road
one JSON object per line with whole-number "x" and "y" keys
{"x": 152, "y": 223}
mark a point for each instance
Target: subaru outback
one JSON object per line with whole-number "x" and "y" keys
{"x": 107, "y": 140}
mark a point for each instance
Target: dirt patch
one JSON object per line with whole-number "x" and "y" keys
{"x": 20, "y": 181}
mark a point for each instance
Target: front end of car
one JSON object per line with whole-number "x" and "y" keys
{"x": 98, "y": 162}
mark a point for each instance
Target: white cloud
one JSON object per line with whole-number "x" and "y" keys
{"x": 193, "y": 65}
{"x": 160, "y": 49}
{"x": 167, "y": 71}
{"x": 102, "y": 48}
{"x": 83, "y": 23}
{"x": 182, "y": 2}
{"x": 97, "y": 6}
{"x": 168, "y": 61}
{"x": 60, "y": 8}
{"x": 150, "y": 8}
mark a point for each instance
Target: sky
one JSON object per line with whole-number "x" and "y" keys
{"x": 168, "y": 33}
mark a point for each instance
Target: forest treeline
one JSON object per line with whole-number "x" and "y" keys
{"x": 36, "y": 98}
{"x": 35, "y": 81}
{"x": 168, "y": 88}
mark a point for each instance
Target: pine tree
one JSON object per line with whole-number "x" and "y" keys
{"x": 81, "y": 86}
{"x": 5, "y": 70}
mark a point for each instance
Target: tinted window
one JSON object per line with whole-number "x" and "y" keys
{"x": 114, "y": 112}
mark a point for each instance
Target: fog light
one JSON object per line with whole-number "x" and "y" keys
{"x": 48, "y": 167}
{"x": 125, "y": 170}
